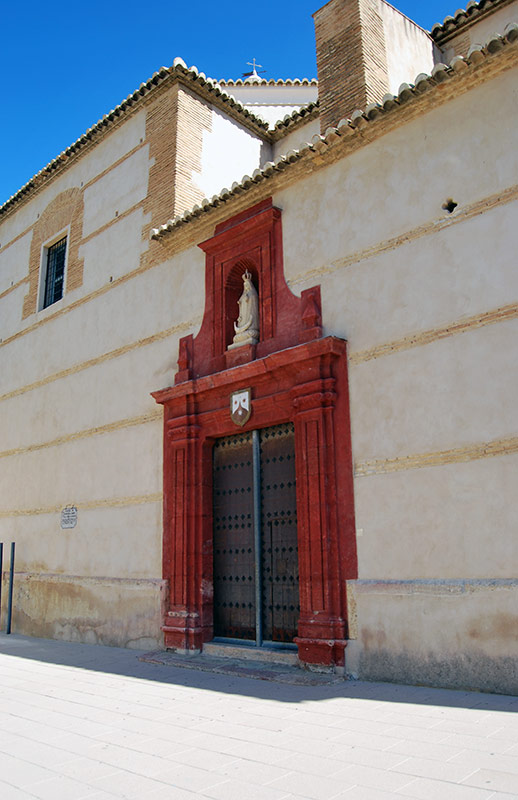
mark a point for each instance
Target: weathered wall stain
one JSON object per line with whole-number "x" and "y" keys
{"x": 117, "y": 613}
{"x": 467, "y": 670}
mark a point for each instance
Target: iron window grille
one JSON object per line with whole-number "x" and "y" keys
{"x": 54, "y": 279}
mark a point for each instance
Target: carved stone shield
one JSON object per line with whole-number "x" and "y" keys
{"x": 241, "y": 406}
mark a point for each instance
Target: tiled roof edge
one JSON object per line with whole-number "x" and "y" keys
{"x": 190, "y": 75}
{"x": 347, "y": 127}
{"x": 270, "y": 82}
{"x": 473, "y": 11}
{"x": 291, "y": 121}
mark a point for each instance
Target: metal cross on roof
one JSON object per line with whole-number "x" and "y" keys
{"x": 253, "y": 74}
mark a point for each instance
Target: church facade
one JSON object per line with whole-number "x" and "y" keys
{"x": 258, "y": 362}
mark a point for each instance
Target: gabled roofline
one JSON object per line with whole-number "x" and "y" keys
{"x": 207, "y": 88}
{"x": 356, "y": 128}
{"x": 474, "y": 11}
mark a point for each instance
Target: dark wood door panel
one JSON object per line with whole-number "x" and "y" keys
{"x": 280, "y": 574}
{"x": 234, "y": 557}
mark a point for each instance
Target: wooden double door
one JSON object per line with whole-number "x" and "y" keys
{"x": 256, "y": 575}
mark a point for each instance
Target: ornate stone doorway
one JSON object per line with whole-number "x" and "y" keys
{"x": 291, "y": 376}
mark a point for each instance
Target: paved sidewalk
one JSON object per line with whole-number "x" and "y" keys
{"x": 80, "y": 721}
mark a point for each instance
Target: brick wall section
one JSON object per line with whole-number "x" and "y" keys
{"x": 460, "y": 44}
{"x": 161, "y": 124}
{"x": 174, "y": 129}
{"x": 374, "y": 51}
{"x": 351, "y": 58}
{"x": 65, "y": 210}
{"x": 194, "y": 117}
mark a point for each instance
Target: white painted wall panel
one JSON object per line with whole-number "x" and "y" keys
{"x": 113, "y": 252}
{"x": 117, "y": 191}
{"x": 229, "y": 152}
{"x": 123, "y": 542}
{"x": 410, "y": 49}
{"x": 14, "y": 262}
{"x": 294, "y": 141}
{"x": 451, "y": 521}
{"x": 10, "y": 314}
{"x": 452, "y": 393}
{"x": 121, "y": 464}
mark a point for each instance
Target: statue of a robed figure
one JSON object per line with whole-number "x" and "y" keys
{"x": 247, "y": 326}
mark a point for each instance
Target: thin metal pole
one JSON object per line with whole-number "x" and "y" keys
{"x": 11, "y": 583}
{"x": 1, "y": 576}
{"x": 256, "y": 463}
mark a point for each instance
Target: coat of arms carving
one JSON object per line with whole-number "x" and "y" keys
{"x": 241, "y": 406}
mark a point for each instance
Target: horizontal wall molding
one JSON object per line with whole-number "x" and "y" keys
{"x": 14, "y": 287}
{"x": 88, "y": 580}
{"x": 86, "y": 505}
{"x": 433, "y": 586}
{"x": 497, "y": 447}
{"x": 182, "y": 327}
{"x": 502, "y": 314}
{"x": 418, "y": 339}
{"x": 130, "y": 422}
{"x": 461, "y": 215}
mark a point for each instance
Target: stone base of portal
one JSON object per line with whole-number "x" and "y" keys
{"x": 321, "y": 652}
{"x": 184, "y": 641}
{"x": 325, "y": 654}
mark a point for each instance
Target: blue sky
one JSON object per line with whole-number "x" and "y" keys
{"x": 65, "y": 64}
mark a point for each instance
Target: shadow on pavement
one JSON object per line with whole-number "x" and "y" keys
{"x": 125, "y": 662}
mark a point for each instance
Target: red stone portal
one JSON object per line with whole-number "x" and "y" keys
{"x": 295, "y": 375}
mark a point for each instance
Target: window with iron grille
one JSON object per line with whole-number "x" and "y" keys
{"x": 55, "y": 273}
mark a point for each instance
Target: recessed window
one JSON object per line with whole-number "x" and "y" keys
{"x": 54, "y": 272}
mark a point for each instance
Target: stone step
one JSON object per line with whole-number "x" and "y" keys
{"x": 242, "y": 667}
{"x": 266, "y": 655}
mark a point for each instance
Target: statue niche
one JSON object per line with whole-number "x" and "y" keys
{"x": 246, "y": 329}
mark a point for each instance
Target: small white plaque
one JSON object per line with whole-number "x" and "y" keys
{"x": 69, "y": 517}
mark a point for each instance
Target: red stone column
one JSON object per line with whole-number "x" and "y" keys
{"x": 322, "y": 626}
{"x": 183, "y": 534}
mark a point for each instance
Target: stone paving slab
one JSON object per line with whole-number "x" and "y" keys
{"x": 84, "y": 721}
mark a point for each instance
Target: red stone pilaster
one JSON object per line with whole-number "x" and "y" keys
{"x": 322, "y": 627}
{"x": 182, "y": 561}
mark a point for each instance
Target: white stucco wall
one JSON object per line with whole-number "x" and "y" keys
{"x": 272, "y": 103}
{"x": 55, "y": 446}
{"x": 91, "y": 436}
{"x": 115, "y": 192}
{"x": 229, "y": 152}
{"x": 113, "y": 252}
{"x": 13, "y": 261}
{"x": 299, "y": 137}
{"x": 410, "y": 49}
{"x": 358, "y": 229}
